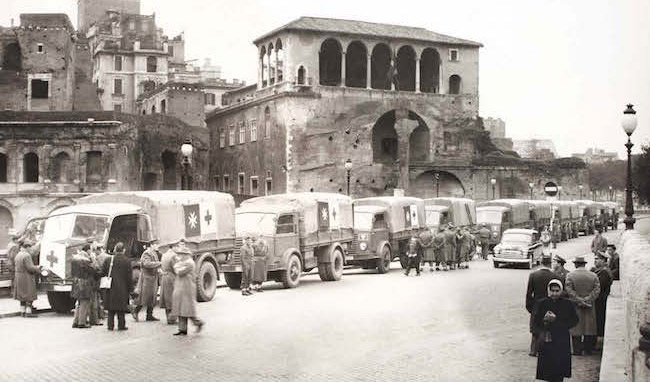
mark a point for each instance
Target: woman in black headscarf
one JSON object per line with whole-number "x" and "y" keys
{"x": 553, "y": 317}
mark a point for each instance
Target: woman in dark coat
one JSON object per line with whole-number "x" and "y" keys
{"x": 117, "y": 297}
{"x": 553, "y": 317}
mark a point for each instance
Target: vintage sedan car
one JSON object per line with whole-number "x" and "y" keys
{"x": 518, "y": 246}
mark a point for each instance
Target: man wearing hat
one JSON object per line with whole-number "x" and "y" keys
{"x": 536, "y": 291}
{"x": 24, "y": 278}
{"x": 598, "y": 243}
{"x": 148, "y": 281}
{"x": 184, "y": 297}
{"x": 450, "y": 246}
{"x": 83, "y": 271}
{"x": 605, "y": 279}
{"x": 583, "y": 288}
{"x": 559, "y": 270}
{"x": 614, "y": 265}
{"x": 484, "y": 237}
{"x": 167, "y": 280}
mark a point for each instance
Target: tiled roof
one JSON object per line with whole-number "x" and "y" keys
{"x": 364, "y": 28}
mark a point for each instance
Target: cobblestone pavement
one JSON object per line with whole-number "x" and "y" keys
{"x": 464, "y": 325}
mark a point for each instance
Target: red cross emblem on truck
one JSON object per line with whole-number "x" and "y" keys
{"x": 52, "y": 259}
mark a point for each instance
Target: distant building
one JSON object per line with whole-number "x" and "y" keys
{"x": 495, "y": 126}
{"x": 92, "y": 11}
{"x": 177, "y": 99}
{"x": 541, "y": 149}
{"x": 596, "y": 155}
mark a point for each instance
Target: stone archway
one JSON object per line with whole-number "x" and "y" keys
{"x": 391, "y": 132}
{"x": 447, "y": 185}
{"x": 169, "y": 170}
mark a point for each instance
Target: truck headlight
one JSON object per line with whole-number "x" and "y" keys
{"x": 495, "y": 234}
{"x": 363, "y": 246}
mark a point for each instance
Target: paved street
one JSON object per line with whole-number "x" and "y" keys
{"x": 465, "y": 325}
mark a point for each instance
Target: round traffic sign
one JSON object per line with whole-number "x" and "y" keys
{"x": 550, "y": 188}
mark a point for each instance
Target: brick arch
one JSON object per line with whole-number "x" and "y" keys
{"x": 329, "y": 61}
{"x": 448, "y": 184}
{"x": 58, "y": 203}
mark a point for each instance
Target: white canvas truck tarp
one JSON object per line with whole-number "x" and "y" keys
{"x": 405, "y": 212}
{"x": 462, "y": 210}
{"x": 520, "y": 208}
{"x": 542, "y": 209}
{"x": 320, "y": 211}
{"x": 193, "y": 215}
{"x": 572, "y": 207}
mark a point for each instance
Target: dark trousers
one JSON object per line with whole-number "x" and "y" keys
{"x": 485, "y": 248}
{"x": 149, "y": 310}
{"x": 182, "y": 323}
{"x": 81, "y": 314}
{"x": 533, "y": 344}
{"x": 413, "y": 263}
{"x": 120, "y": 320}
{"x": 246, "y": 274}
{"x": 583, "y": 343}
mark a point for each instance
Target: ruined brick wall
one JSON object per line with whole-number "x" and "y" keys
{"x": 85, "y": 96}
{"x": 187, "y": 105}
{"x": 90, "y": 11}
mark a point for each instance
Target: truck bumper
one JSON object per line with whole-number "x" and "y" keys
{"x": 360, "y": 257}
{"x": 229, "y": 268}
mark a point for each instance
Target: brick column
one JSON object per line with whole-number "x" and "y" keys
{"x": 77, "y": 164}
{"x": 44, "y": 163}
{"x": 392, "y": 65}
{"x": 417, "y": 75}
{"x": 260, "y": 73}
{"x": 112, "y": 173}
{"x": 268, "y": 81}
{"x": 276, "y": 67}
{"x": 342, "y": 69}
{"x": 369, "y": 72}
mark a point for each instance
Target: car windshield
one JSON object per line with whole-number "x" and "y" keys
{"x": 432, "y": 218}
{"x": 516, "y": 238}
{"x": 254, "y": 223}
{"x": 58, "y": 227}
{"x": 493, "y": 217}
{"x": 93, "y": 227}
{"x": 363, "y": 220}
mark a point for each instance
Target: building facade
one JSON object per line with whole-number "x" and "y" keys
{"x": 181, "y": 100}
{"x": 540, "y": 149}
{"x": 596, "y": 155}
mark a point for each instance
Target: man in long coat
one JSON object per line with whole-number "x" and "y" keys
{"x": 12, "y": 249}
{"x": 598, "y": 243}
{"x": 465, "y": 244}
{"x": 428, "y": 254}
{"x": 583, "y": 288}
{"x": 484, "y": 238}
{"x": 605, "y": 279}
{"x": 116, "y": 299}
{"x": 450, "y": 245}
{"x": 246, "y": 254}
{"x": 83, "y": 272}
{"x": 614, "y": 261}
{"x": 184, "y": 299}
{"x": 439, "y": 249}
{"x": 148, "y": 281}
{"x": 24, "y": 286}
{"x": 260, "y": 251}
{"x": 167, "y": 283}
{"x": 536, "y": 291}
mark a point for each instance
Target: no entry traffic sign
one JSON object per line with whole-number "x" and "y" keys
{"x": 550, "y": 188}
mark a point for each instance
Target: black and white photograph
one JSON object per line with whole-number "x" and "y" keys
{"x": 306, "y": 191}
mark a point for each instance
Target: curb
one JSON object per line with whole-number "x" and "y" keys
{"x": 17, "y": 314}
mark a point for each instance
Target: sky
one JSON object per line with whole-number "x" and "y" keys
{"x": 551, "y": 69}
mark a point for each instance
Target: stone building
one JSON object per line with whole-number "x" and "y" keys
{"x": 181, "y": 100}
{"x": 91, "y": 11}
{"x": 541, "y": 149}
{"x": 400, "y": 103}
{"x": 47, "y": 160}
{"x": 596, "y": 155}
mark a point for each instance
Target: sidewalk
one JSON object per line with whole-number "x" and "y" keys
{"x": 11, "y": 308}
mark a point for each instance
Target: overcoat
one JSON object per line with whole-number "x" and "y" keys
{"x": 583, "y": 287}
{"x": 450, "y": 245}
{"x": 184, "y": 298}
{"x": 465, "y": 244}
{"x": 167, "y": 280}
{"x": 83, "y": 271}
{"x": 148, "y": 281}
{"x": 426, "y": 239}
{"x": 598, "y": 243}
{"x": 537, "y": 290}
{"x": 605, "y": 279}
{"x": 260, "y": 250}
{"x": 554, "y": 359}
{"x": 24, "y": 277}
{"x": 561, "y": 274}
{"x": 117, "y": 297}
{"x": 614, "y": 266}
{"x": 439, "y": 247}
{"x": 12, "y": 251}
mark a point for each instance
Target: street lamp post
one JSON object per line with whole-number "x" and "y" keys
{"x": 437, "y": 178}
{"x": 186, "y": 150}
{"x": 493, "y": 182}
{"x": 580, "y": 188}
{"x": 610, "y": 193}
{"x": 559, "y": 192}
{"x": 530, "y": 186}
{"x": 629, "y": 125}
{"x": 348, "y": 168}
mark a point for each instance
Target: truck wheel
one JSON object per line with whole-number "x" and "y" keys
{"x": 383, "y": 262}
{"x": 61, "y": 302}
{"x": 290, "y": 277}
{"x": 206, "y": 282}
{"x": 233, "y": 280}
{"x": 333, "y": 270}
{"x": 495, "y": 264}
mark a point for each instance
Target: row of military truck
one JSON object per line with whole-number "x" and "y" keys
{"x": 303, "y": 231}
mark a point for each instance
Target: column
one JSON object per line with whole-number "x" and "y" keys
{"x": 268, "y": 81}
{"x": 260, "y": 73}
{"x": 77, "y": 164}
{"x": 342, "y": 69}
{"x": 392, "y": 66}
{"x": 441, "y": 76}
{"x": 369, "y": 72}
{"x": 277, "y": 77}
{"x": 44, "y": 163}
{"x": 112, "y": 173}
{"x": 417, "y": 75}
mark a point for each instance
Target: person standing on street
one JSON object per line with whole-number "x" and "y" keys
{"x": 605, "y": 279}
{"x": 536, "y": 291}
{"x": 83, "y": 271}
{"x": 598, "y": 243}
{"x": 450, "y": 246}
{"x": 100, "y": 256}
{"x": 148, "y": 281}
{"x": 614, "y": 261}
{"x": 116, "y": 299}
{"x": 184, "y": 298}
{"x": 552, "y": 318}
{"x": 12, "y": 249}
{"x": 559, "y": 270}
{"x": 439, "y": 249}
{"x": 583, "y": 287}
{"x": 412, "y": 256}
{"x": 246, "y": 253}
{"x": 484, "y": 238}
{"x": 167, "y": 282}
{"x": 545, "y": 238}
{"x": 465, "y": 247}
{"x": 25, "y": 272}
{"x": 260, "y": 251}
{"x": 428, "y": 255}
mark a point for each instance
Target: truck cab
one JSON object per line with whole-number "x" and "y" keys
{"x": 302, "y": 230}
{"x": 588, "y": 217}
{"x": 502, "y": 214}
{"x": 371, "y": 246}
{"x": 612, "y": 216}
{"x": 440, "y": 211}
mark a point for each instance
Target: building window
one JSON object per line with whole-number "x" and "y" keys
{"x": 255, "y": 188}
{"x": 241, "y": 187}
{"x": 3, "y": 168}
{"x": 163, "y": 106}
{"x": 118, "y": 63}
{"x": 231, "y": 136}
{"x": 253, "y": 130}
{"x": 455, "y": 84}
{"x": 152, "y": 64}
{"x": 117, "y": 107}
{"x": 170, "y": 50}
{"x": 210, "y": 99}
{"x": 93, "y": 166}
{"x": 40, "y": 89}
{"x": 30, "y": 168}
{"x": 117, "y": 86}
{"x": 217, "y": 182}
{"x": 268, "y": 188}
{"x": 145, "y": 26}
{"x": 453, "y": 55}
{"x": 39, "y": 48}
{"x": 226, "y": 183}
{"x": 222, "y": 138}
{"x": 242, "y": 133}
{"x": 267, "y": 122}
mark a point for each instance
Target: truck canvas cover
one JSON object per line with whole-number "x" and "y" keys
{"x": 320, "y": 211}
{"x": 542, "y": 209}
{"x": 405, "y": 212}
{"x": 520, "y": 208}
{"x": 194, "y": 215}
{"x": 463, "y": 211}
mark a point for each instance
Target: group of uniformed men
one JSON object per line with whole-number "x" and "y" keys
{"x": 253, "y": 262}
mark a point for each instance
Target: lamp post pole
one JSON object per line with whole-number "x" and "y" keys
{"x": 629, "y": 125}
{"x": 348, "y": 168}
{"x": 493, "y": 182}
{"x": 559, "y": 192}
{"x": 580, "y": 188}
{"x": 186, "y": 150}
{"x": 530, "y": 186}
{"x": 610, "y": 193}
{"x": 437, "y": 177}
